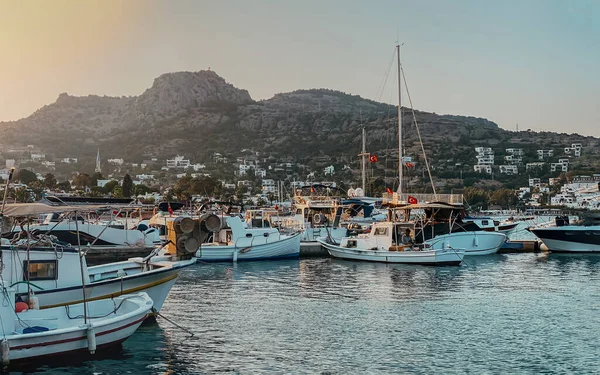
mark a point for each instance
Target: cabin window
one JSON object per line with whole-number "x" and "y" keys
{"x": 40, "y": 270}
{"x": 484, "y": 222}
{"x": 381, "y": 231}
{"x": 351, "y": 243}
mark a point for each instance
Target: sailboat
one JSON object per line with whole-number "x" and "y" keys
{"x": 391, "y": 241}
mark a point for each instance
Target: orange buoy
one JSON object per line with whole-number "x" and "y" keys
{"x": 21, "y": 306}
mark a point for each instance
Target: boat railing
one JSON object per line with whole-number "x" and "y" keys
{"x": 395, "y": 198}
{"x": 236, "y": 245}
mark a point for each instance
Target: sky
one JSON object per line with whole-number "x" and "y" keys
{"x": 534, "y": 63}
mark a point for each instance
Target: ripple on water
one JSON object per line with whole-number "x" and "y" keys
{"x": 521, "y": 313}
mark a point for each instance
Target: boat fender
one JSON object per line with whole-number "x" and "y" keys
{"x": 476, "y": 241}
{"x": 5, "y": 352}
{"x": 317, "y": 219}
{"x": 21, "y": 306}
{"x": 34, "y": 303}
{"x": 91, "y": 338}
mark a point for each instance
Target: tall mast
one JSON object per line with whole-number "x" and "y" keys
{"x": 399, "y": 124}
{"x": 364, "y": 162}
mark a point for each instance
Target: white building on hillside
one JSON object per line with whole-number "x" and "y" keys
{"x": 115, "y": 161}
{"x": 483, "y": 168}
{"x": 178, "y": 162}
{"x": 328, "y": 171}
{"x": 545, "y": 154}
{"x": 509, "y": 169}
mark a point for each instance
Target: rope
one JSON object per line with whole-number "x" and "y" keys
{"x": 383, "y": 82}
{"x": 418, "y": 132}
{"x": 172, "y": 322}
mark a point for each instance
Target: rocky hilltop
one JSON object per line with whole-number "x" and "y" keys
{"x": 197, "y": 113}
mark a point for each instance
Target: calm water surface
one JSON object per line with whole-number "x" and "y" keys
{"x": 514, "y": 313}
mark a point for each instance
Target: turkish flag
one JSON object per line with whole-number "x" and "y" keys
{"x": 170, "y": 209}
{"x": 388, "y": 190}
{"x": 373, "y": 159}
{"x": 412, "y": 200}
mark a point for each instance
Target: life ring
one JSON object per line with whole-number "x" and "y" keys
{"x": 317, "y": 219}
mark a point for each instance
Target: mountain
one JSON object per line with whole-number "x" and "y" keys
{"x": 197, "y": 113}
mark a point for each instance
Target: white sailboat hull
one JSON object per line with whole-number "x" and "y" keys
{"x": 426, "y": 257}
{"x": 473, "y": 243}
{"x": 259, "y": 249}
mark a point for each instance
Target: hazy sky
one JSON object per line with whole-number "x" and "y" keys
{"x": 535, "y": 63}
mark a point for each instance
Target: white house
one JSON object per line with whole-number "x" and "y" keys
{"x": 559, "y": 167}
{"x": 196, "y": 167}
{"x": 535, "y": 182}
{"x": 268, "y": 186}
{"x": 509, "y": 169}
{"x": 38, "y": 156}
{"x": 483, "y": 168}
{"x": 545, "y": 154}
{"x": 530, "y": 166}
{"x": 10, "y": 163}
{"x": 329, "y": 170}
{"x": 260, "y": 172}
{"x": 145, "y": 177}
{"x": 68, "y": 160}
{"x": 178, "y": 162}
{"x": 116, "y": 161}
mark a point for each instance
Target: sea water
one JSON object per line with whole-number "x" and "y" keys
{"x": 514, "y": 313}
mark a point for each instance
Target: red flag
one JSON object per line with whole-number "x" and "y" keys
{"x": 409, "y": 165}
{"x": 169, "y": 208}
{"x": 412, "y": 200}
{"x": 388, "y": 190}
{"x": 312, "y": 190}
{"x": 117, "y": 213}
{"x": 373, "y": 159}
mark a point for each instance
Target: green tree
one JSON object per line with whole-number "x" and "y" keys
{"x": 25, "y": 176}
{"x": 49, "y": 181}
{"x": 117, "y": 192}
{"x": 95, "y": 177}
{"x": 127, "y": 186}
{"x": 81, "y": 181}
{"x": 141, "y": 189}
{"x": 65, "y": 186}
{"x": 109, "y": 186}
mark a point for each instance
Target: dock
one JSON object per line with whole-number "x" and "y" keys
{"x": 522, "y": 246}
{"x": 312, "y": 249}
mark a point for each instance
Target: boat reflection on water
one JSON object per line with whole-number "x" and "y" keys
{"x": 564, "y": 261}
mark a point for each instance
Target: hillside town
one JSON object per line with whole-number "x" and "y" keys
{"x": 255, "y": 179}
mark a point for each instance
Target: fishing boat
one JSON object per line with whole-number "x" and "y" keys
{"x": 249, "y": 239}
{"x": 39, "y": 265}
{"x": 439, "y": 225}
{"x": 392, "y": 241}
{"x": 32, "y": 334}
{"x": 385, "y": 244}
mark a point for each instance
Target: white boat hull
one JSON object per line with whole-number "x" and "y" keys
{"x": 473, "y": 243}
{"x": 426, "y": 257}
{"x": 156, "y": 284}
{"x": 109, "y": 329}
{"x": 285, "y": 247}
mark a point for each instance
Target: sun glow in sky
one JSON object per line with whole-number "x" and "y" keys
{"x": 532, "y": 62}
